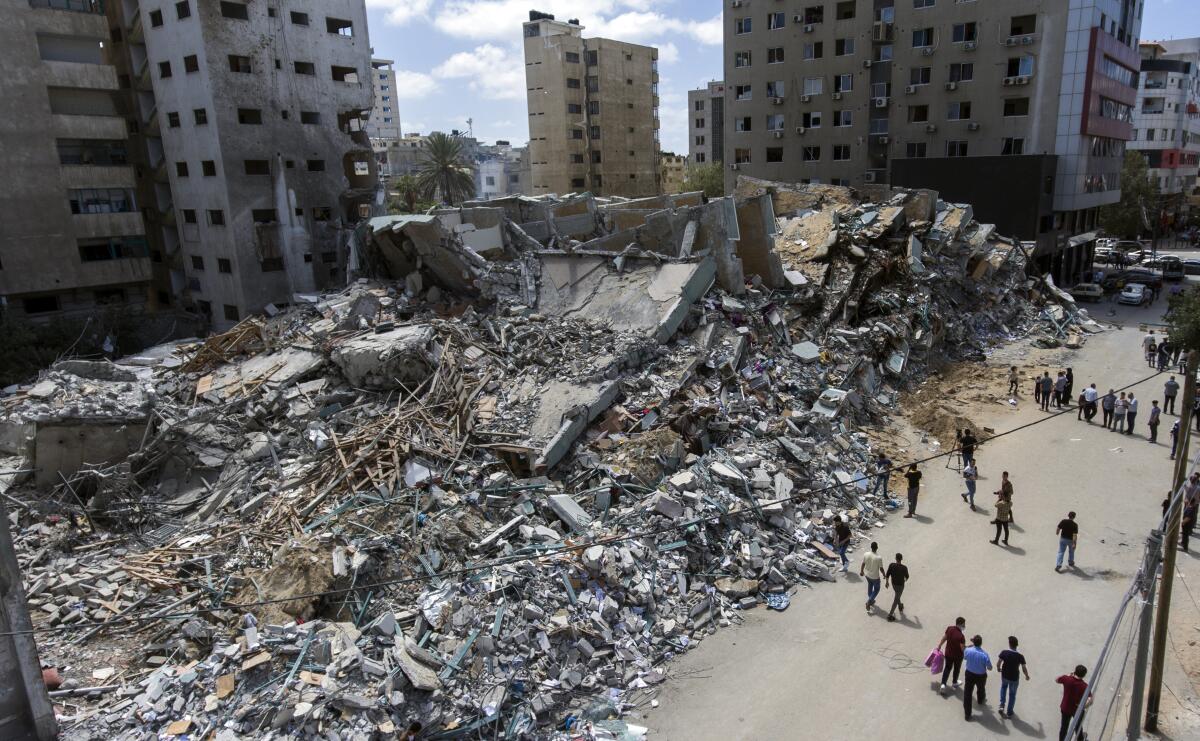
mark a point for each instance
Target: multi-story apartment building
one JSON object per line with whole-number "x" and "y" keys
{"x": 384, "y": 124}
{"x": 72, "y": 237}
{"x": 1166, "y": 119}
{"x": 706, "y": 124}
{"x": 259, "y": 111}
{"x": 593, "y": 111}
{"x": 673, "y": 172}
{"x": 1036, "y": 95}
{"x": 500, "y": 170}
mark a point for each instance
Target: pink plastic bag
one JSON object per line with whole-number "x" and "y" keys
{"x": 936, "y": 660}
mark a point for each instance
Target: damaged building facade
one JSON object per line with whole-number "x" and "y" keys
{"x": 1037, "y": 95}
{"x": 261, "y": 114}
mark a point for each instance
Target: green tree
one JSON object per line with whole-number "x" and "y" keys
{"x": 444, "y": 171}
{"x": 709, "y": 178}
{"x": 1183, "y": 319}
{"x": 1138, "y": 191}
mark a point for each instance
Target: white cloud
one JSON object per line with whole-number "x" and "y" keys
{"x": 399, "y": 12}
{"x": 413, "y": 85}
{"x": 668, "y": 53}
{"x": 491, "y": 71}
{"x": 502, "y": 19}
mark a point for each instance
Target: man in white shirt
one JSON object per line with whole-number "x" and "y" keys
{"x": 1090, "y": 395}
{"x": 1131, "y": 414}
{"x": 872, "y": 567}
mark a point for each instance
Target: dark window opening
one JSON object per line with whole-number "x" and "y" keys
{"x": 164, "y": 69}
{"x": 305, "y": 68}
{"x": 257, "y": 167}
{"x": 231, "y": 312}
{"x": 216, "y": 217}
{"x": 224, "y": 265}
{"x": 181, "y": 169}
{"x": 156, "y": 18}
{"x": 183, "y": 10}
{"x": 322, "y": 213}
{"x": 209, "y": 168}
{"x": 340, "y": 26}
{"x": 310, "y": 117}
{"x": 238, "y": 11}
{"x": 264, "y": 216}
{"x": 189, "y": 216}
{"x": 191, "y": 63}
{"x": 238, "y": 63}
{"x": 300, "y": 19}
{"x": 316, "y": 165}
{"x": 172, "y": 120}
{"x": 197, "y": 262}
{"x": 251, "y": 116}
{"x": 271, "y": 264}
{"x": 343, "y": 74}
{"x": 1022, "y": 25}
{"x": 200, "y": 116}
{"x": 40, "y": 304}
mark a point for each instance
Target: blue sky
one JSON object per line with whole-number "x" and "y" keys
{"x": 460, "y": 59}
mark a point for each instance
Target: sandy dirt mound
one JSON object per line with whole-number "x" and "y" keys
{"x": 300, "y": 566}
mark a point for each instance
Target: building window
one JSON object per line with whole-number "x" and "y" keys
{"x": 593, "y": 107}
{"x": 1021, "y": 66}
{"x": 339, "y": 26}
{"x": 845, "y": 10}
{"x": 919, "y": 4}
{"x": 101, "y": 201}
{"x": 310, "y": 117}
{"x": 156, "y": 18}
{"x": 271, "y": 264}
{"x": 699, "y": 156}
{"x": 814, "y": 14}
{"x": 958, "y": 111}
{"x": 918, "y": 113}
{"x": 814, "y": 50}
{"x": 963, "y": 32}
{"x": 305, "y": 68}
{"x": 197, "y": 262}
{"x": 775, "y": 55}
{"x": 576, "y": 159}
{"x": 577, "y": 183}
{"x": 811, "y": 120}
{"x": 182, "y": 10}
{"x": 593, "y": 132}
{"x": 741, "y": 59}
{"x": 841, "y": 152}
{"x": 237, "y": 11}
{"x": 843, "y": 47}
{"x": 299, "y": 19}
{"x": 593, "y": 58}
{"x": 181, "y": 169}
{"x": 700, "y": 141}
{"x": 189, "y": 215}
{"x": 699, "y": 105}
{"x": 956, "y": 148}
{"x": 810, "y": 154}
{"x": 172, "y": 120}
{"x": 200, "y": 116}
{"x": 322, "y": 213}
{"x": 843, "y": 118}
{"x": 742, "y": 123}
{"x": 216, "y": 217}
{"x": 774, "y": 154}
{"x": 741, "y": 92}
{"x": 572, "y": 57}
{"x": 962, "y": 72}
{"x": 264, "y": 216}
{"x": 775, "y": 88}
{"x": 920, "y": 75}
{"x": 164, "y": 69}
{"x": 574, "y": 108}
{"x": 224, "y": 265}
{"x": 1012, "y": 145}
{"x": 231, "y": 312}
{"x": 238, "y": 63}
{"x": 776, "y": 20}
{"x": 315, "y": 165}
{"x": 1021, "y": 25}
{"x": 208, "y": 168}
{"x": 814, "y": 85}
{"x": 257, "y": 167}
{"x": 922, "y": 37}
{"x": 1016, "y": 107}
{"x": 191, "y": 64}
{"x": 249, "y": 116}
{"x": 883, "y": 53}
{"x": 915, "y": 149}
{"x": 843, "y": 83}
{"x": 92, "y": 152}
{"x": 742, "y": 25}
{"x": 576, "y": 133}
{"x": 741, "y": 156}
{"x": 699, "y": 123}
{"x": 40, "y": 304}
{"x": 775, "y": 122}
{"x": 573, "y": 83}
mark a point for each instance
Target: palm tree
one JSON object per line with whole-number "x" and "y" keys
{"x": 409, "y": 191}
{"x": 444, "y": 170}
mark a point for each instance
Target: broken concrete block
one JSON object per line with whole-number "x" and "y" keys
{"x": 402, "y": 357}
{"x": 806, "y": 351}
{"x": 668, "y": 507}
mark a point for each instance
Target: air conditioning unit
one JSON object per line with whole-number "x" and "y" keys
{"x": 867, "y": 64}
{"x": 777, "y": 101}
{"x": 969, "y": 45}
{"x": 797, "y": 18}
{"x": 778, "y": 134}
{"x": 868, "y": 177}
{"x": 800, "y": 130}
{"x": 884, "y": 140}
{"x": 808, "y": 28}
{"x": 930, "y": 128}
{"x": 1026, "y": 40}
{"x": 737, "y": 3}
{"x": 805, "y": 98}
{"x": 881, "y": 102}
{"x": 1012, "y": 41}
{"x": 733, "y": 165}
{"x": 927, "y": 51}
{"x": 973, "y": 126}
{"x": 909, "y": 90}
{"x": 1008, "y": 81}
{"x": 1022, "y": 80}
{"x": 836, "y": 96}
{"x": 951, "y": 85}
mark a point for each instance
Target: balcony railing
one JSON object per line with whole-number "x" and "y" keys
{"x": 75, "y": 6}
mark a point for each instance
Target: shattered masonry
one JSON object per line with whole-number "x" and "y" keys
{"x": 519, "y": 379}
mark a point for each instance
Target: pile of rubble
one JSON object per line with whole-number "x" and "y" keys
{"x": 549, "y": 445}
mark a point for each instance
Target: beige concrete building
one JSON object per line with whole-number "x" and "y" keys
{"x": 1036, "y": 95}
{"x": 673, "y": 171}
{"x": 72, "y": 238}
{"x": 593, "y": 111}
{"x": 384, "y": 125}
{"x": 706, "y": 124}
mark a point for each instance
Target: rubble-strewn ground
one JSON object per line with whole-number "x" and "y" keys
{"x": 500, "y": 487}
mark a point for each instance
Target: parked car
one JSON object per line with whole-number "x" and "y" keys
{"x": 1134, "y": 294}
{"x": 1191, "y": 267}
{"x": 1088, "y": 292}
{"x": 1133, "y": 275}
{"x": 1172, "y": 268}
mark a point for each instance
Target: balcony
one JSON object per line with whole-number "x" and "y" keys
{"x": 97, "y": 176}
{"x": 95, "y": 7}
{"x": 71, "y": 126}
{"x": 78, "y": 75}
{"x": 108, "y": 225}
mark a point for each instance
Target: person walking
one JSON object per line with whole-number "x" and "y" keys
{"x": 966, "y": 445}
{"x": 1006, "y": 486}
{"x": 883, "y": 471}
{"x": 1152, "y": 421}
{"x": 1090, "y": 396}
{"x": 1131, "y": 414}
{"x": 872, "y": 570}
{"x": 1196, "y": 411}
{"x": 1003, "y": 516}
{"x": 1151, "y": 354}
{"x": 1120, "y": 409}
{"x": 1148, "y": 342}
{"x": 1164, "y": 354}
{"x": 1174, "y": 438}
{"x": 1190, "y": 509}
{"x": 978, "y": 664}
{"x": 1068, "y": 538}
{"x": 970, "y": 476}
{"x": 1037, "y": 389}
{"x": 1014, "y": 382}
{"x": 1074, "y": 688}
{"x": 1081, "y": 403}
{"x": 1010, "y": 663}
{"x": 895, "y": 578}
{"x": 914, "y": 488}
{"x": 1047, "y": 388}
{"x": 1107, "y": 403}
{"x": 841, "y": 541}
{"x": 955, "y": 643}
{"x": 1069, "y": 388}
{"x": 1170, "y": 391}
{"x": 1060, "y": 389}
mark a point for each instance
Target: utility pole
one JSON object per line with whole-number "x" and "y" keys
{"x": 1171, "y": 536}
{"x": 1146, "y": 620}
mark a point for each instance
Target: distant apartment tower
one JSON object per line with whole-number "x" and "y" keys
{"x": 1036, "y": 95}
{"x": 259, "y": 112}
{"x": 384, "y": 124}
{"x": 72, "y": 238}
{"x": 499, "y": 170}
{"x": 1166, "y": 120}
{"x": 593, "y": 111}
{"x": 673, "y": 171}
{"x": 706, "y": 124}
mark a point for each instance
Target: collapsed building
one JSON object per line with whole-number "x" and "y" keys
{"x": 542, "y": 447}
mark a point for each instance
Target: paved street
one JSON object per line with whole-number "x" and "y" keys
{"x": 825, "y": 664}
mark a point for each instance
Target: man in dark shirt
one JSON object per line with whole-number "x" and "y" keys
{"x": 1068, "y": 537}
{"x": 841, "y": 541}
{"x": 1074, "y": 689}
{"x": 967, "y": 443}
{"x": 883, "y": 469}
{"x": 895, "y": 578}
{"x": 914, "y": 488}
{"x": 1170, "y": 391}
{"x": 955, "y": 642}
{"x": 1012, "y": 663}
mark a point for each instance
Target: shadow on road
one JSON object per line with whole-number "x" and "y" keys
{"x": 1027, "y": 728}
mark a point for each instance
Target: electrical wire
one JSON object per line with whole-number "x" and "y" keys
{"x": 549, "y": 552}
